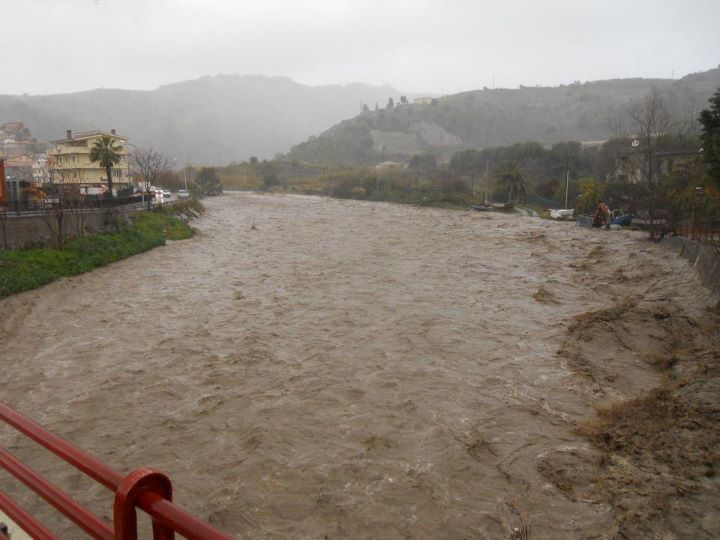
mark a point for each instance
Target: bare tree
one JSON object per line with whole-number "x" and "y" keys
{"x": 650, "y": 123}
{"x": 654, "y": 130}
{"x": 53, "y": 206}
{"x": 76, "y": 207}
{"x": 54, "y": 210}
{"x": 150, "y": 165}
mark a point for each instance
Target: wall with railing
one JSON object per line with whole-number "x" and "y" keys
{"x": 32, "y": 225}
{"x": 27, "y": 229}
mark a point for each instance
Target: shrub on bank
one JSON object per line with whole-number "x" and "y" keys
{"x": 22, "y": 270}
{"x": 161, "y": 223}
{"x": 184, "y": 209}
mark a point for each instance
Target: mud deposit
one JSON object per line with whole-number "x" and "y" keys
{"x": 310, "y": 368}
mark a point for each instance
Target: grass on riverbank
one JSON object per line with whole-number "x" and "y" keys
{"x": 22, "y": 270}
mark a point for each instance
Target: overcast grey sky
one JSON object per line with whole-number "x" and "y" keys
{"x": 437, "y": 46}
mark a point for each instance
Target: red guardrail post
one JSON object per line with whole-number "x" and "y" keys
{"x": 133, "y": 486}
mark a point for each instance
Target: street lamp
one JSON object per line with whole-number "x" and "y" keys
{"x": 185, "y": 168}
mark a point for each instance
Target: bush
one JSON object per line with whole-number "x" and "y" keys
{"x": 208, "y": 182}
{"x": 591, "y": 193}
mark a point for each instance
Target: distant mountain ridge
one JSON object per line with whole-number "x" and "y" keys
{"x": 225, "y": 118}
{"x": 488, "y": 118}
{"x": 210, "y": 120}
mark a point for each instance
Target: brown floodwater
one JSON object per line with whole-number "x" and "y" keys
{"x": 308, "y": 367}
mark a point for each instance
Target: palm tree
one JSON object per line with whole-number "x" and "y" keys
{"x": 514, "y": 181}
{"x": 105, "y": 152}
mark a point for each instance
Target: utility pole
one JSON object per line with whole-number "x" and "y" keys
{"x": 567, "y": 180}
{"x": 3, "y": 186}
{"x": 487, "y": 165}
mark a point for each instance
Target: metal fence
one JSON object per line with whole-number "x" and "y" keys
{"x": 30, "y": 207}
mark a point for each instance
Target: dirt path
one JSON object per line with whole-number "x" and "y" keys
{"x": 309, "y": 367}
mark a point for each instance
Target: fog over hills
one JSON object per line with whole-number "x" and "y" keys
{"x": 225, "y": 118}
{"x": 211, "y": 120}
{"x": 487, "y": 118}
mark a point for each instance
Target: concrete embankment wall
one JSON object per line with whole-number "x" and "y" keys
{"x": 26, "y": 230}
{"x": 704, "y": 258}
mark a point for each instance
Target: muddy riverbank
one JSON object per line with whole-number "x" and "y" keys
{"x": 310, "y": 367}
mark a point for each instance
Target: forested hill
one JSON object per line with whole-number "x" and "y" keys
{"x": 488, "y": 118}
{"x": 211, "y": 120}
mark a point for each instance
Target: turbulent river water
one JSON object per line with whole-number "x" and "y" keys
{"x": 309, "y": 367}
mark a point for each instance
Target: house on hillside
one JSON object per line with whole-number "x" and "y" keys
{"x": 15, "y": 140}
{"x": 633, "y": 168}
{"x": 388, "y": 167}
{"x": 69, "y": 162}
{"x": 18, "y": 175}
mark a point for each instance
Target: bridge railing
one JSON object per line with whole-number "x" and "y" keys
{"x": 143, "y": 488}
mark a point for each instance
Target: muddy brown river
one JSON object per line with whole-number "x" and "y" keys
{"x": 316, "y": 368}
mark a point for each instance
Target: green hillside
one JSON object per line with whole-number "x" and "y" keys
{"x": 488, "y": 118}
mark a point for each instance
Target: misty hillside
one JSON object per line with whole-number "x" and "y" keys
{"x": 212, "y": 120}
{"x": 488, "y": 118}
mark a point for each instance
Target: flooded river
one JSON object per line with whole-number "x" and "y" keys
{"x": 309, "y": 367}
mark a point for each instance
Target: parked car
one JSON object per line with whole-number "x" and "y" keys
{"x": 166, "y": 194}
{"x": 562, "y": 214}
{"x": 183, "y": 194}
{"x": 620, "y": 218}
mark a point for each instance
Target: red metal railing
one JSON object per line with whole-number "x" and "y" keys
{"x": 143, "y": 488}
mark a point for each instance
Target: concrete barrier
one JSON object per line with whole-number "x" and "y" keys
{"x": 704, "y": 258}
